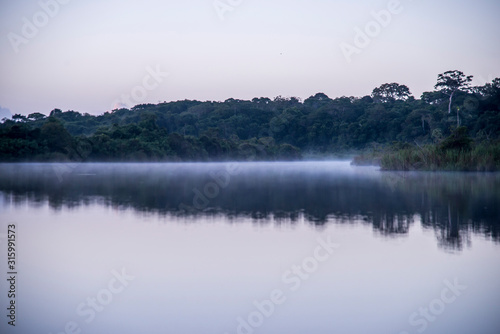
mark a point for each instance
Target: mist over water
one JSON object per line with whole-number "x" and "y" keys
{"x": 453, "y": 204}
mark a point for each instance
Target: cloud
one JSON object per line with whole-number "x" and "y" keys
{"x": 4, "y": 112}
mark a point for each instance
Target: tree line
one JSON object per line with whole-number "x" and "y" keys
{"x": 261, "y": 128}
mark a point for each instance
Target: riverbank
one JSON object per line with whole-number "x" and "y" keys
{"x": 479, "y": 158}
{"x": 457, "y": 152}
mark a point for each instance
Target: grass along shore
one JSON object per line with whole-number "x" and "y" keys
{"x": 481, "y": 158}
{"x": 457, "y": 152}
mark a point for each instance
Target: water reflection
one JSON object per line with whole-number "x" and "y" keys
{"x": 454, "y": 205}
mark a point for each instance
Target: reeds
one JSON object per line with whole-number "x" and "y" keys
{"x": 479, "y": 157}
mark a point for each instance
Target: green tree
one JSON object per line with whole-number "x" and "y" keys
{"x": 56, "y": 136}
{"x": 317, "y": 101}
{"x": 390, "y": 92}
{"x": 19, "y": 118}
{"x": 450, "y": 82}
{"x": 36, "y": 116}
{"x": 56, "y": 112}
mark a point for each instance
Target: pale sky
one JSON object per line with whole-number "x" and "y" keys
{"x": 87, "y": 55}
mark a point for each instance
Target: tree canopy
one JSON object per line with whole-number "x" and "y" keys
{"x": 450, "y": 82}
{"x": 390, "y": 92}
{"x": 262, "y": 128}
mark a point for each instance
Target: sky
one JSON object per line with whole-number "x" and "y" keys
{"x": 95, "y": 55}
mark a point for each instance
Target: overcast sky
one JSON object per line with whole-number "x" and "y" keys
{"x": 94, "y": 55}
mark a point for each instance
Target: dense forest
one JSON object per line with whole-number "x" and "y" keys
{"x": 261, "y": 129}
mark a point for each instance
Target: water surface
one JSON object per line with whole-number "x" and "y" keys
{"x": 208, "y": 244}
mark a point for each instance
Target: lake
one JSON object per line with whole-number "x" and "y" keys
{"x": 250, "y": 247}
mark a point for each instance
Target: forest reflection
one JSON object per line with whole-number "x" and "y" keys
{"x": 453, "y": 205}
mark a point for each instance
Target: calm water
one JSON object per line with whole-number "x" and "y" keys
{"x": 303, "y": 247}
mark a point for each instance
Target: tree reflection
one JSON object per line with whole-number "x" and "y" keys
{"x": 454, "y": 205}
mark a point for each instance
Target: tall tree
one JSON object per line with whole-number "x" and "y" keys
{"x": 36, "y": 116}
{"x": 318, "y": 100}
{"x": 451, "y": 82}
{"x": 390, "y": 92}
{"x": 19, "y": 118}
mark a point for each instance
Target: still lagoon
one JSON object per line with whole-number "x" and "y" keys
{"x": 248, "y": 247}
